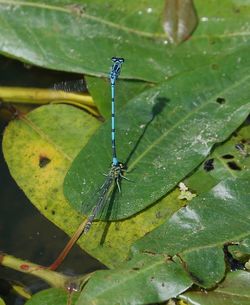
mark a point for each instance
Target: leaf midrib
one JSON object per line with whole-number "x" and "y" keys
{"x": 43, "y": 135}
{"x": 128, "y": 278}
{"x": 224, "y": 164}
{"x": 87, "y": 16}
{"x": 214, "y": 245}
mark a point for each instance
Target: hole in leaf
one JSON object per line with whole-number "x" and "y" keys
{"x": 208, "y": 165}
{"x": 227, "y": 156}
{"x": 53, "y": 212}
{"x": 231, "y": 261}
{"x": 43, "y": 161}
{"x": 234, "y": 166}
{"x": 221, "y": 100}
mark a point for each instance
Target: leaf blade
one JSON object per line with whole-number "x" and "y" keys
{"x": 170, "y": 130}
{"x": 161, "y": 278}
{"x": 196, "y": 230}
{"x": 86, "y": 34}
{"x": 233, "y": 290}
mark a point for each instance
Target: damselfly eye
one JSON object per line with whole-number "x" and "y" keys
{"x": 120, "y": 60}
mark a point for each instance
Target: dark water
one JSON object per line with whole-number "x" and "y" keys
{"x": 24, "y": 232}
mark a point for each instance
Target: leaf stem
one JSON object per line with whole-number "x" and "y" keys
{"x": 53, "y": 278}
{"x": 45, "y": 96}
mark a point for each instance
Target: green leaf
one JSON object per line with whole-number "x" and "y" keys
{"x": 162, "y": 135}
{"x": 53, "y": 296}
{"x": 143, "y": 280}
{"x": 100, "y": 92}
{"x": 39, "y": 149}
{"x": 200, "y": 262}
{"x": 226, "y": 161}
{"x": 233, "y": 290}
{"x": 81, "y": 37}
{"x": 197, "y": 233}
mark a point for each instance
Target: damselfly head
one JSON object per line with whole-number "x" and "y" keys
{"x": 118, "y": 59}
{"x": 116, "y": 69}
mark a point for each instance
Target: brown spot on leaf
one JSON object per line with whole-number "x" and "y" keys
{"x": 43, "y": 161}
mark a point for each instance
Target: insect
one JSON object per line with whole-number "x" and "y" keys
{"x": 113, "y": 177}
{"x": 242, "y": 149}
{"x": 116, "y": 172}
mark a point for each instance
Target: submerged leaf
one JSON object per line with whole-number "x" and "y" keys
{"x": 180, "y": 19}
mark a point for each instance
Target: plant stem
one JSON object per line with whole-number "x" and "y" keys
{"x": 46, "y": 96}
{"x": 53, "y": 278}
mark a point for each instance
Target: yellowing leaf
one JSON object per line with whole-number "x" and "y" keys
{"x": 39, "y": 149}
